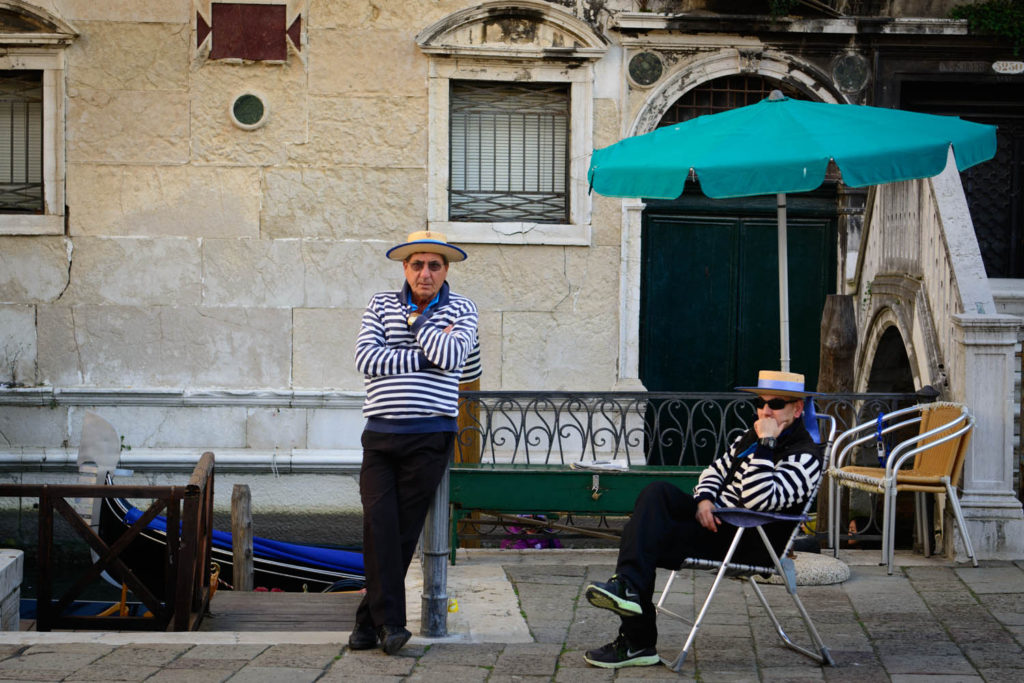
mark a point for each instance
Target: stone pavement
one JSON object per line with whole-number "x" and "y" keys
{"x": 522, "y": 617}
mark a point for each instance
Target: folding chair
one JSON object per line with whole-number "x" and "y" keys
{"x": 782, "y": 566}
{"x": 938, "y": 450}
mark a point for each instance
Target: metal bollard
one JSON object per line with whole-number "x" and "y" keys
{"x": 434, "y": 621}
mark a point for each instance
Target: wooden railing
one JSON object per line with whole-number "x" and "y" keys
{"x": 186, "y": 562}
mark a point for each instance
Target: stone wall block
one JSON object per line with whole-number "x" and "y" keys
{"x": 324, "y": 349}
{"x": 489, "y": 331}
{"x": 135, "y": 272}
{"x": 214, "y": 88}
{"x": 252, "y": 272}
{"x": 376, "y": 61}
{"x": 590, "y": 271}
{"x": 346, "y": 274}
{"x": 365, "y": 132}
{"x": 125, "y": 55}
{"x": 129, "y": 126}
{"x": 275, "y": 428}
{"x": 17, "y": 345}
{"x": 179, "y": 12}
{"x": 33, "y": 269}
{"x": 536, "y": 277}
{"x": 162, "y": 427}
{"x": 336, "y": 429}
{"x": 558, "y": 353}
{"x": 124, "y": 346}
{"x": 342, "y": 203}
{"x": 34, "y": 427}
{"x": 201, "y": 201}
{"x": 396, "y": 15}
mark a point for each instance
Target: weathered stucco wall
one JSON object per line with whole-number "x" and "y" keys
{"x": 202, "y": 255}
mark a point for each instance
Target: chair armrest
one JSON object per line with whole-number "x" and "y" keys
{"x": 750, "y": 518}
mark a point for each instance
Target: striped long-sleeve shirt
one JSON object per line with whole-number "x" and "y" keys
{"x": 412, "y": 373}
{"x": 765, "y": 479}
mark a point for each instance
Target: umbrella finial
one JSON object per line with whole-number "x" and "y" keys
{"x": 776, "y": 95}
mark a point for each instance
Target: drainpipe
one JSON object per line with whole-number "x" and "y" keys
{"x": 169, "y": 460}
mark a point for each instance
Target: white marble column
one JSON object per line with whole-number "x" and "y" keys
{"x": 994, "y": 517}
{"x": 629, "y": 296}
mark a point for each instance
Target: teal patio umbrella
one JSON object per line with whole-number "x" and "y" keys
{"x": 781, "y": 145}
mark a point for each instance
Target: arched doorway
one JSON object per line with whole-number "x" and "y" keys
{"x": 890, "y": 369}
{"x": 709, "y": 315}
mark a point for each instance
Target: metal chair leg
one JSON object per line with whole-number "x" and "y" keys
{"x": 921, "y": 519}
{"x": 833, "y": 515}
{"x": 959, "y": 516}
{"x": 677, "y": 664}
{"x": 787, "y": 571}
{"x": 889, "y": 530}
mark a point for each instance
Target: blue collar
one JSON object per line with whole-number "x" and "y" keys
{"x": 440, "y": 298}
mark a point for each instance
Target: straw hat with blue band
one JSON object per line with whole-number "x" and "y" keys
{"x": 428, "y": 242}
{"x": 790, "y": 385}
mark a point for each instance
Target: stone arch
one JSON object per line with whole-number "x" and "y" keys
{"x": 729, "y": 62}
{"x": 887, "y": 358}
{"x": 22, "y": 18}
{"x": 526, "y": 29}
{"x": 688, "y": 74}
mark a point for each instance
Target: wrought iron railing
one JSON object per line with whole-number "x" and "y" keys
{"x": 679, "y": 429}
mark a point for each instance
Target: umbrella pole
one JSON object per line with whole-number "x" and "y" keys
{"x": 783, "y": 284}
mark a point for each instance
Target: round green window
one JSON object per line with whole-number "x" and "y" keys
{"x": 249, "y": 111}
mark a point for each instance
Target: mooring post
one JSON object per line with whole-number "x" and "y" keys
{"x": 434, "y": 621}
{"x": 241, "y": 537}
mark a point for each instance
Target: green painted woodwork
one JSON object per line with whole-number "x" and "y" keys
{"x": 709, "y": 297}
{"x": 552, "y": 489}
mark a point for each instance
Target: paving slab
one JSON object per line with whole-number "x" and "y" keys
{"x": 522, "y": 616}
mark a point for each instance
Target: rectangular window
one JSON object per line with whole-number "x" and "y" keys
{"x": 21, "y": 141}
{"x": 509, "y": 151}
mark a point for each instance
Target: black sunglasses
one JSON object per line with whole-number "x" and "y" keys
{"x": 774, "y": 404}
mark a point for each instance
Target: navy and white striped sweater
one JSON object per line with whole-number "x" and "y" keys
{"x": 768, "y": 480}
{"x": 412, "y": 374}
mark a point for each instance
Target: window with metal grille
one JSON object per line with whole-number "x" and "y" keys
{"x": 509, "y": 150}
{"x": 21, "y": 141}
{"x": 722, "y": 94}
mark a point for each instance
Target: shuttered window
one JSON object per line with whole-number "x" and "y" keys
{"x": 21, "y": 141}
{"x": 509, "y": 150}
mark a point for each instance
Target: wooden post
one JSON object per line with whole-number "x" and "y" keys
{"x": 241, "y": 537}
{"x": 835, "y": 372}
{"x": 467, "y": 449}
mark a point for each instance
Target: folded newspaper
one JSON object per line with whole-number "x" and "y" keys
{"x": 621, "y": 465}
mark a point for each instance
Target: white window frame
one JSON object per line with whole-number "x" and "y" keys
{"x": 562, "y": 49}
{"x": 49, "y": 60}
{"x": 577, "y": 231}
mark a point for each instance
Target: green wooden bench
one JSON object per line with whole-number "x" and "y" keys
{"x": 551, "y": 489}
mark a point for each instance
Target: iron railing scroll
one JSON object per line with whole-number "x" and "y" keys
{"x": 643, "y": 428}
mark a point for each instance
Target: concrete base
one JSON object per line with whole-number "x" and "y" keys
{"x": 815, "y": 569}
{"x": 12, "y": 568}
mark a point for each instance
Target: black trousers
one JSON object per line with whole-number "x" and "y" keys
{"x": 397, "y": 482}
{"x": 662, "y": 532}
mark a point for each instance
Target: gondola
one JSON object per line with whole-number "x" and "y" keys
{"x": 277, "y": 566}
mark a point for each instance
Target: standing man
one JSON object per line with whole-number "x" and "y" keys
{"x": 412, "y": 347}
{"x": 772, "y": 467}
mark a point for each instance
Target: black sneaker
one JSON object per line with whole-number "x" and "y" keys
{"x": 392, "y": 638}
{"x": 617, "y": 595}
{"x": 363, "y": 637}
{"x": 618, "y": 654}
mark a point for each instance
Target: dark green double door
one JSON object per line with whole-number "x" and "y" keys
{"x": 709, "y": 316}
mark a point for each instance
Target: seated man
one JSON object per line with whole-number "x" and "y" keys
{"x": 772, "y": 467}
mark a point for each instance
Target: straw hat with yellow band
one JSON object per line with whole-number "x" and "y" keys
{"x": 788, "y": 385}
{"x": 427, "y": 242}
